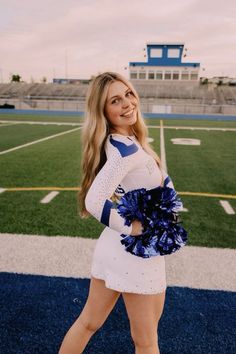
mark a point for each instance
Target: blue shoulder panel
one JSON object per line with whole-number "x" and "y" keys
{"x": 167, "y": 180}
{"x": 125, "y": 150}
{"x": 106, "y": 212}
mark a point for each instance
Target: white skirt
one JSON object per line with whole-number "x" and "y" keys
{"x": 123, "y": 271}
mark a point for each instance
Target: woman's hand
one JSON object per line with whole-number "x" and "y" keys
{"x": 137, "y": 228}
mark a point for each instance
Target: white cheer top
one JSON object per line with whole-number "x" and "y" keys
{"x": 128, "y": 167}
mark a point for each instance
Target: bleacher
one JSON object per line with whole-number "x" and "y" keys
{"x": 42, "y": 90}
{"x": 72, "y": 96}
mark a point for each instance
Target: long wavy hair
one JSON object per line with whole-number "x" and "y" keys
{"x": 96, "y": 128}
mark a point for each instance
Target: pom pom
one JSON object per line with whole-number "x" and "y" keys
{"x": 157, "y": 210}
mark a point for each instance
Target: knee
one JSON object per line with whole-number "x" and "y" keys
{"x": 91, "y": 325}
{"x": 144, "y": 338}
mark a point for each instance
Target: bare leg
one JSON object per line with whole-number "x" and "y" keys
{"x": 99, "y": 304}
{"x": 144, "y": 312}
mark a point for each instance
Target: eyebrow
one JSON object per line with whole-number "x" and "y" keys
{"x": 118, "y": 95}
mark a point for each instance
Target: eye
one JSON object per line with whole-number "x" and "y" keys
{"x": 129, "y": 93}
{"x": 115, "y": 101}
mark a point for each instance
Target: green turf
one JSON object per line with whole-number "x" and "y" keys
{"x": 192, "y": 123}
{"x": 56, "y": 162}
{"x": 152, "y": 121}
{"x": 200, "y": 123}
{"x": 209, "y": 167}
{"x": 25, "y": 133}
{"x": 22, "y": 212}
{"x": 41, "y": 118}
{"x": 207, "y": 223}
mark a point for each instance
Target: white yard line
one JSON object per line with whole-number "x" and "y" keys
{"x": 149, "y": 126}
{"x": 227, "y": 207}
{"x": 162, "y": 147}
{"x": 41, "y": 123}
{"x": 191, "y": 128}
{"x": 49, "y": 197}
{"x": 6, "y": 125}
{"x": 194, "y": 267}
{"x": 38, "y": 141}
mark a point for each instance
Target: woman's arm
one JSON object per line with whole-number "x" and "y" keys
{"x": 122, "y": 158}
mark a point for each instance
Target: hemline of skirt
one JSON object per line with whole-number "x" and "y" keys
{"x": 116, "y": 288}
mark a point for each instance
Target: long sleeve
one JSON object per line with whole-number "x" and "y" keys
{"x": 122, "y": 157}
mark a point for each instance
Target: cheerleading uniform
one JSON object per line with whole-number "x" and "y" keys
{"x": 128, "y": 167}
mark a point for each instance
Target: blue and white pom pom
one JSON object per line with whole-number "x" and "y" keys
{"x": 157, "y": 210}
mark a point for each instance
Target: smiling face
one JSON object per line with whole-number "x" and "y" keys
{"x": 120, "y": 108}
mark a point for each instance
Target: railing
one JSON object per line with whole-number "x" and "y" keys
{"x": 147, "y": 106}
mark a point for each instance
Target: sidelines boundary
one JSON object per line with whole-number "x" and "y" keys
{"x": 58, "y": 256}
{"x": 30, "y": 189}
{"x": 11, "y": 122}
{"x": 176, "y": 127}
{"x": 145, "y": 115}
{"x": 162, "y": 146}
{"x": 38, "y": 141}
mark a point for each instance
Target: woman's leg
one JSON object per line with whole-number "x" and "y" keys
{"x": 99, "y": 304}
{"x": 144, "y": 312}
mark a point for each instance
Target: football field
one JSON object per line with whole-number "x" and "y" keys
{"x": 46, "y": 248}
{"x": 39, "y": 159}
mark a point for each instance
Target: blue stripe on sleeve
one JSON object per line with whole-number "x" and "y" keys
{"x": 106, "y": 212}
{"x": 166, "y": 181}
{"x": 125, "y": 150}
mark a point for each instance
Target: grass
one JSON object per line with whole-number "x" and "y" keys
{"x": 22, "y": 212}
{"x": 24, "y": 133}
{"x": 193, "y": 123}
{"x": 208, "y": 167}
{"x": 152, "y": 121}
{"x": 41, "y": 118}
{"x": 56, "y": 163}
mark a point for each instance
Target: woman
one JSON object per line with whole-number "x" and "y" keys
{"x": 118, "y": 158}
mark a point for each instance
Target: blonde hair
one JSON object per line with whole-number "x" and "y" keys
{"x": 96, "y": 128}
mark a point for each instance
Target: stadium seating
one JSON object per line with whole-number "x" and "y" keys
{"x": 184, "y": 97}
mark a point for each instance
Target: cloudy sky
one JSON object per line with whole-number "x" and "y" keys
{"x": 79, "y": 38}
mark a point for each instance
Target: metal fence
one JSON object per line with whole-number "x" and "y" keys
{"x": 147, "y": 106}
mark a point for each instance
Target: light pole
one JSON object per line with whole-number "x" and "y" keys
{"x": 66, "y": 64}
{"x": 1, "y": 76}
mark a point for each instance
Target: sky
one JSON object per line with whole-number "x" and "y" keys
{"x": 81, "y": 38}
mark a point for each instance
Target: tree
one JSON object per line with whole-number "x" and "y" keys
{"x": 15, "y": 78}
{"x": 204, "y": 80}
{"x": 44, "y": 80}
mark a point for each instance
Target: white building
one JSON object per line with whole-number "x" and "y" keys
{"x": 164, "y": 62}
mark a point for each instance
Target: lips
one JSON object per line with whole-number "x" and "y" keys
{"x": 128, "y": 114}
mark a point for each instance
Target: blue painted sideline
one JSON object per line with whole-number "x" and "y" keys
{"x": 37, "y": 311}
{"x": 41, "y": 112}
{"x": 218, "y": 117}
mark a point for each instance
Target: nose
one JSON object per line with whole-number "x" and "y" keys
{"x": 126, "y": 102}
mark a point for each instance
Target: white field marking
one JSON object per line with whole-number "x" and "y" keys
{"x": 72, "y": 257}
{"x": 150, "y": 140}
{"x": 190, "y": 128}
{"x": 38, "y": 141}
{"x": 49, "y": 197}
{"x": 5, "y": 125}
{"x": 186, "y": 141}
{"x": 149, "y": 126}
{"x": 183, "y": 209}
{"x": 227, "y": 207}
{"x": 162, "y": 147}
{"x": 2, "y": 190}
{"x": 42, "y": 123}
